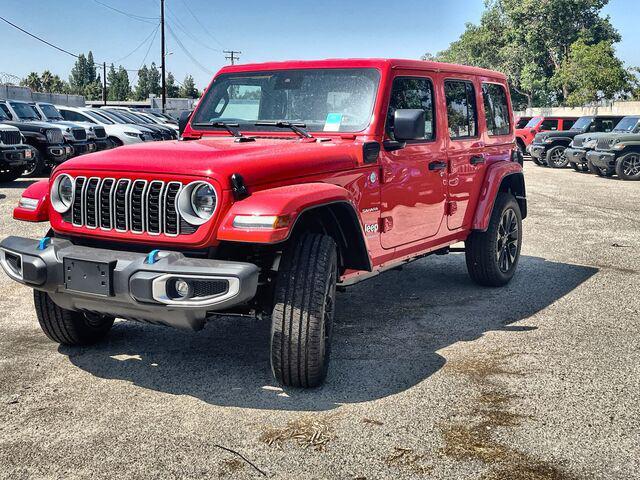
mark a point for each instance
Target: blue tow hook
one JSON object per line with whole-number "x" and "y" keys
{"x": 152, "y": 257}
{"x": 44, "y": 243}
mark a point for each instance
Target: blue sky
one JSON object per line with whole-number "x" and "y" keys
{"x": 262, "y": 30}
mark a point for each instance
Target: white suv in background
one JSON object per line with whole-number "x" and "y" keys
{"x": 118, "y": 133}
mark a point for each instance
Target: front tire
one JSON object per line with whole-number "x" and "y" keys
{"x": 579, "y": 167}
{"x": 69, "y": 327}
{"x": 36, "y": 166}
{"x": 302, "y": 317}
{"x": 628, "y": 166}
{"x": 556, "y": 157}
{"x": 492, "y": 256}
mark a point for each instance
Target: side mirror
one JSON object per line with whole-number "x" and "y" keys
{"x": 408, "y": 124}
{"x": 184, "y": 119}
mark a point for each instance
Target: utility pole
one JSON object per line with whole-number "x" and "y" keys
{"x": 232, "y": 55}
{"x": 164, "y": 76}
{"x": 104, "y": 83}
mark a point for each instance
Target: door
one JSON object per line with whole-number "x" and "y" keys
{"x": 413, "y": 190}
{"x": 466, "y": 149}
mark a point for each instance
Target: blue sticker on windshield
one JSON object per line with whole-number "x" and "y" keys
{"x": 333, "y": 122}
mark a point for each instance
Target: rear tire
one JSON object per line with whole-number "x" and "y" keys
{"x": 628, "y": 166}
{"x": 302, "y": 318}
{"x": 556, "y": 157}
{"x": 492, "y": 256}
{"x": 68, "y": 327}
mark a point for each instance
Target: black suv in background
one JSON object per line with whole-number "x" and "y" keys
{"x": 14, "y": 153}
{"x": 47, "y": 141}
{"x": 549, "y": 148}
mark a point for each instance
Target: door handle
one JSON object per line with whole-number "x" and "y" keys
{"x": 437, "y": 165}
{"x": 477, "y": 160}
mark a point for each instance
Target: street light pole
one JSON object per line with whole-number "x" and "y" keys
{"x": 164, "y": 77}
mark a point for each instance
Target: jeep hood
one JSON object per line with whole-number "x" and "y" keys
{"x": 557, "y": 134}
{"x": 264, "y": 160}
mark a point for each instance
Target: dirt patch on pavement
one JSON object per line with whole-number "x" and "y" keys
{"x": 308, "y": 432}
{"x": 407, "y": 458}
{"x": 474, "y": 440}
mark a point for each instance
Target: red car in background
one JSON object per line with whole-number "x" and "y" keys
{"x": 525, "y": 135}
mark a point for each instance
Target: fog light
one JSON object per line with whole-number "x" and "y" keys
{"x": 182, "y": 288}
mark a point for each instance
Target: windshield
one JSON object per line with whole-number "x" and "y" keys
{"x": 50, "y": 111}
{"x": 582, "y": 123}
{"x": 337, "y": 100}
{"x": 99, "y": 118}
{"x": 125, "y": 116}
{"x": 522, "y": 122}
{"x": 25, "y": 111}
{"x": 628, "y": 124}
{"x": 3, "y": 116}
{"x": 533, "y": 122}
{"x": 115, "y": 118}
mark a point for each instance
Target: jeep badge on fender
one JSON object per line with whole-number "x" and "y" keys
{"x": 292, "y": 178}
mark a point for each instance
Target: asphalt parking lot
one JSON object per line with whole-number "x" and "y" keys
{"x": 432, "y": 376}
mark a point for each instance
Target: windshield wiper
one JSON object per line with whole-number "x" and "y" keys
{"x": 299, "y": 128}
{"x": 232, "y": 128}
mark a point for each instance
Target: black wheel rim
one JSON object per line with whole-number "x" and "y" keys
{"x": 558, "y": 157}
{"x": 31, "y": 167}
{"x": 507, "y": 244}
{"x": 631, "y": 165}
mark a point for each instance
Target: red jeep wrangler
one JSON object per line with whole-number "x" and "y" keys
{"x": 525, "y": 134}
{"x": 292, "y": 179}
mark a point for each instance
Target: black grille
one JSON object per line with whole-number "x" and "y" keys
{"x": 603, "y": 143}
{"x": 209, "y": 288}
{"x": 100, "y": 132}
{"x": 76, "y": 215}
{"x": 171, "y": 215}
{"x": 10, "y": 137}
{"x": 126, "y": 205}
{"x": 54, "y": 135}
{"x": 91, "y": 219}
{"x": 79, "y": 133}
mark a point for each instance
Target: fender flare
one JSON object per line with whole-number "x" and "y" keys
{"x": 37, "y": 191}
{"x": 501, "y": 176}
{"x": 295, "y": 202}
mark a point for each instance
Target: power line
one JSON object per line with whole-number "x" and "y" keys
{"x": 38, "y": 38}
{"x": 153, "y": 32}
{"x": 126, "y": 14}
{"x": 201, "y": 24}
{"x": 177, "y": 23}
{"x": 187, "y": 53}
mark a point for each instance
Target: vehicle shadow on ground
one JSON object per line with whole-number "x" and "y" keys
{"x": 18, "y": 184}
{"x": 388, "y": 332}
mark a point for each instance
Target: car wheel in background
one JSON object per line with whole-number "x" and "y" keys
{"x": 628, "y": 166}
{"x": 579, "y": 167}
{"x": 556, "y": 157}
{"x": 115, "y": 141}
{"x": 36, "y": 166}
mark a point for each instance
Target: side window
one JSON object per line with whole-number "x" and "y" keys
{"x": 496, "y": 109}
{"x": 567, "y": 124}
{"x": 414, "y": 93}
{"x": 5, "y": 109}
{"x": 461, "y": 109}
{"x": 604, "y": 124}
{"x": 549, "y": 124}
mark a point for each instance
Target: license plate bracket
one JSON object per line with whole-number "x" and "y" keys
{"x": 86, "y": 276}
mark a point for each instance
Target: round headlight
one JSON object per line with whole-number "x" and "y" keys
{"x": 203, "y": 200}
{"x": 197, "y": 202}
{"x": 62, "y": 193}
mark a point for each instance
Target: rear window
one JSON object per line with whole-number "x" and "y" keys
{"x": 461, "y": 108}
{"x": 496, "y": 109}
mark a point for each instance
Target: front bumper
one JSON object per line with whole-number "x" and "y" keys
{"x": 128, "y": 285}
{"x": 82, "y": 147}
{"x": 59, "y": 153}
{"x": 602, "y": 159}
{"x": 538, "y": 151}
{"x": 11, "y": 157}
{"x": 103, "y": 144}
{"x": 576, "y": 155}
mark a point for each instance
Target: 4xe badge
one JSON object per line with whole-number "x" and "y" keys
{"x": 370, "y": 228}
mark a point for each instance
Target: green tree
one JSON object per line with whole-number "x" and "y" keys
{"x": 142, "y": 88}
{"x": 32, "y": 81}
{"x": 52, "y": 83}
{"x": 529, "y": 41}
{"x": 84, "y": 79}
{"x": 172, "y": 89}
{"x": 188, "y": 89}
{"x": 592, "y": 73}
{"x": 154, "y": 80}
